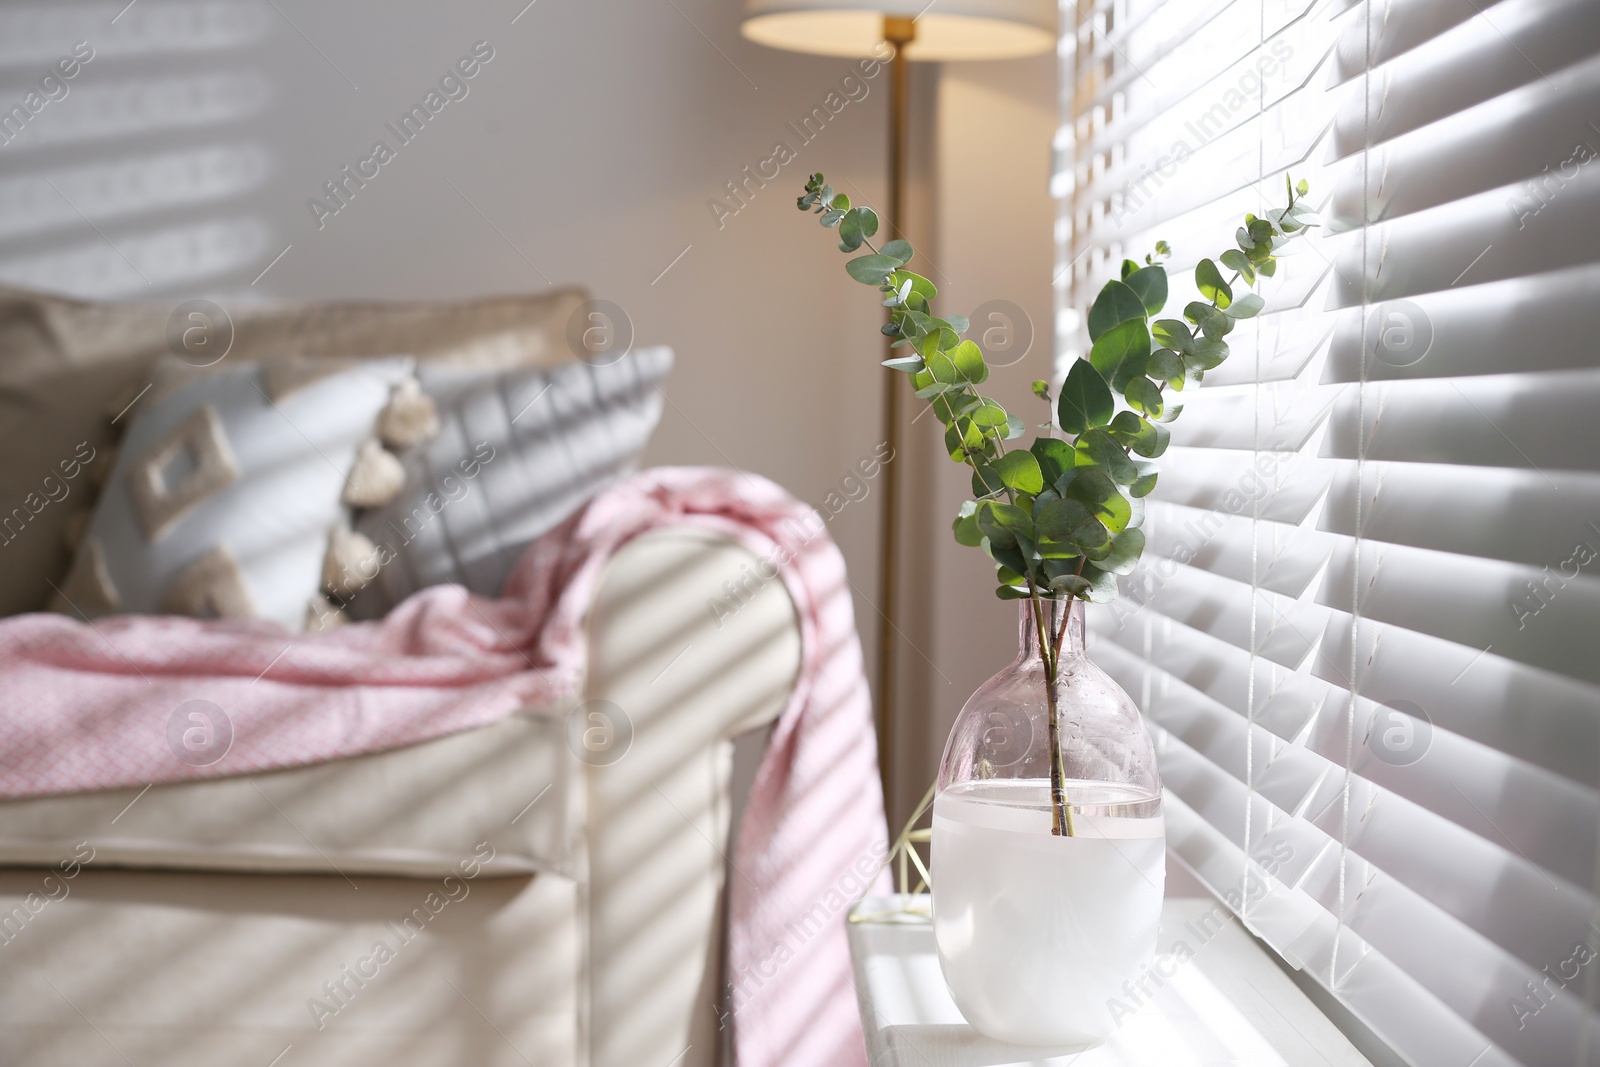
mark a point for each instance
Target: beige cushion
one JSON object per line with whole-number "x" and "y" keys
{"x": 409, "y": 811}
{"x": 68, "y": 366}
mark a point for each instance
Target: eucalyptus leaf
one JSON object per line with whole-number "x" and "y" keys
{"x": 1151, "y": 285}
{"x": 1208, "y": 279}
{"x": 1099, "y": 446}
{"x": 1126, "y": 548}
{"x": 909, "y": 364}
{"x": 1085, "y": 399}
{"x": 898, "y": 250}
{"x": 1003, "y": 523}
{"x": 1167, "y": 366}
{"x": 1146, "y": 481}
{"x": 1070, "y": 585}
{"x": 1019, "y": 470}
{"x": 1055, "y": 457}
{"x": 1142, "y": 395}
{"x": 1122, "y": 352}
{"x": 873, "y": 269}
{"x": 1247, "y": 306}
{"x": 968, "y": 360}
{"x": 966, "y": 526}
{"x": 1174, "y": 334}
{"x": 1117, "y": 303}
{"x": 1238, "y": 262}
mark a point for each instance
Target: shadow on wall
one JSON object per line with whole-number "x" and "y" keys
{"x": 130, "y": 139}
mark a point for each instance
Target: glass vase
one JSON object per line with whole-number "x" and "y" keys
{"x": 1047, "y": 882}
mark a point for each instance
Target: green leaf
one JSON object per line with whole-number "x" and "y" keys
{"x": 959, "y": 438}
{"x": 1019, "y": 470}
{"x": 840, "y": 202}
{"x": 1208, "y": 352}
{"x": 858, "y": 224}
{"x": 1247, "y": 306}
{"x": 1167, "y": 366}
{"x": 960, "y": 323}
{"x": 1010, "y": 592}
{"x": 988, "y": 415}
{"x": 872, "y": 270}
{"x": 1236, "y": 260}
{"x": 1151, "y": 285}
{"x": 1102, "y": 584}
{"x": 966, "y": 525}
{"x": 1116, "y": 304}
{"x": 1121, "y": 353}
{"x": 986, "y": 481}
{"x": 1055, "y": 457}
{"x": 1146, "y": 481}
{"x": 1173, "y": 334}
{"x": 1303, "y": 188}
{"x": 1002, "y": 523}
{"x": 1128, "y": 267}
{"x": 1172, "y": 413}
{"x": 1267, "y": 267}
{"x": 1143, "y": 396}
{"x": 1153, "y": 446}
{"x": 1126, "y": 548}
{"x": 1070, "y": 585}
{"x": 936, "y": 389}
{"x": 1067, "y": 524}
{"x": 1105, "y": 452}
{"x": 1208, "y": 279}
{"x": 831, "y": 218}
{"x": 909, "y": 364}
{"x": 898, "y": 250}
{"x": 1085, "y": 399}
{"x": 919, "y": 285}
{"x": 1215, "y": 324}
{"x": 1129, "y": 429}
{"x": 1015, "y": 428}
{"x": 968, "y": 360}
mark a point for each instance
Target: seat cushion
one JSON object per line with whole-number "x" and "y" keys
{"x": 195, "y": 970}
{"x": 413, "y": 811}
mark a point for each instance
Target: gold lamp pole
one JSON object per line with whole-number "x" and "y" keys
{"x": 950, "y": 30}
{"x": 899, "y": 31}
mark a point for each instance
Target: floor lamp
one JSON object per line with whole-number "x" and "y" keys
{"x": 936, "y": 30}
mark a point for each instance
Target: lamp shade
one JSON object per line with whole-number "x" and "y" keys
{"x": 947, "y": 30}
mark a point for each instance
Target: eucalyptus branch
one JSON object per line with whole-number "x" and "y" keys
{"x": 1062, "y": 518}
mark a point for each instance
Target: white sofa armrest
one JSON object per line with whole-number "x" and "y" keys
{"x": 695, "y": 649}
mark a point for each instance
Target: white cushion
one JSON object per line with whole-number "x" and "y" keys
{"x": 225, "y": 492}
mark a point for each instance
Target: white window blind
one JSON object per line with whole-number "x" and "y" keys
{"x": 1366, "y": 632}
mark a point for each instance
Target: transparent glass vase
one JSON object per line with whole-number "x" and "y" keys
{"x": 1043, "y": 908}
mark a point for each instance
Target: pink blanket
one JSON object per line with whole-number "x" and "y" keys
{"x": 86, "y": 707}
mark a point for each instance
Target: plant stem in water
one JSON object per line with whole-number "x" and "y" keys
{"x": 1060, "y": 810}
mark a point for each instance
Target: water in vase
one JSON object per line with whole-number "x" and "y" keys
{"x": 1037, "y": 932}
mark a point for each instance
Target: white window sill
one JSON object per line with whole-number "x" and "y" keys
{"x": 1229, "y": 1004}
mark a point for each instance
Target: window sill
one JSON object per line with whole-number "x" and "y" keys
{"x": 1228, "y": 1004}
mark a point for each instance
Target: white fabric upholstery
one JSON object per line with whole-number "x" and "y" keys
{"x": 615, "y": 963}
{"x": 411, "y": 811}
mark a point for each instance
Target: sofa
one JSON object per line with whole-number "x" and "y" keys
{"x": 544, "y": 890}
{"x": 539, "y": 905}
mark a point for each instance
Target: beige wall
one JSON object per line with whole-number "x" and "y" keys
{"x": 586, "y": 150}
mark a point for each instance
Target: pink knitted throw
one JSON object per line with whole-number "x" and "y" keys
{"x": 86, "y": 707}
